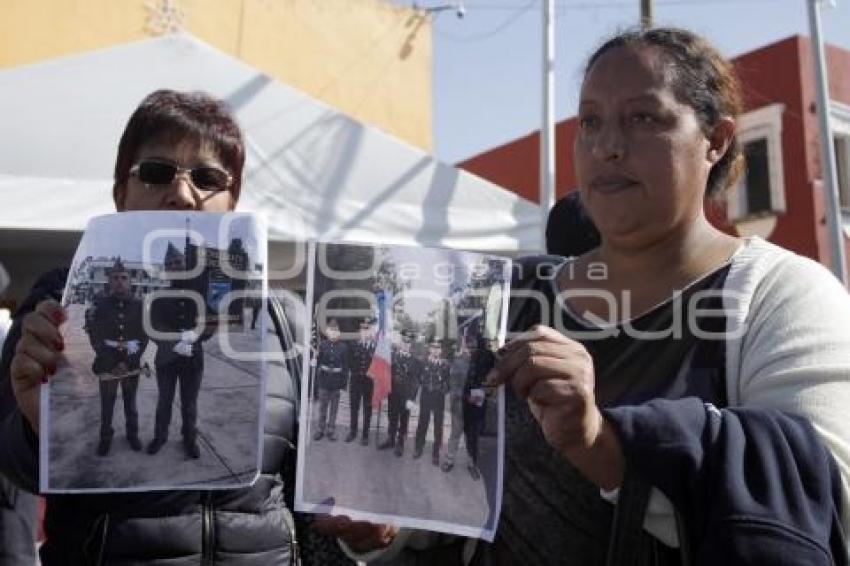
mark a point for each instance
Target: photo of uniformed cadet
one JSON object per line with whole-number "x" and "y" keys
{"x": 115, "y": 330}
{"x": 432, "y": 400}
{"x": 178, "y": 361}
{"x": 361, "y": 385}
{"x": 403, "y": 390}
{"x": 475, "y": 402}
{"x": 457, "y": 385}
{"x": 158, "y": 310}
{"x": 331, "y": 379}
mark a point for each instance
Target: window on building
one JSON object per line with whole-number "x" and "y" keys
{"x": 757, "y": 177}
{"x": 761, "y": 189}
{"x": 840, "y": 115}
{"x": 842, "y": 163}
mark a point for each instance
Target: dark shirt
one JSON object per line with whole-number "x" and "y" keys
{"x": 405, "y": 375}
{"x": 435, "y": 376}
{"x": 174, "y": 315}
{"x": 550, "y": 511}
{"x": 361, "y": 357}
{"x": 112, "y": 324}
{"x": 332, "y": 363}
{"x": 459, "y": 371}
{"x": 480, "y": 364}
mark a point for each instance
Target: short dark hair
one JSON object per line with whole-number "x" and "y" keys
{"x": 117, "y": 267}
{"x": 569, "y": 230}
{"x": 701, "y": 78}
{"x": 176, "y": 116}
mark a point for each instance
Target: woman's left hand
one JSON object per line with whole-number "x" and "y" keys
{"x": 555, "y": 375}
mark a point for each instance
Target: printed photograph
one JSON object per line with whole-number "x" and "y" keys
{"x": 161, "y": 380}
{"x": 397, "y": 424}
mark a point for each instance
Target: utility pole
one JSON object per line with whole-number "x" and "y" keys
{"x": 646, "y": 14}
{"x": 547, "y": 130}
{"x": 827, "y": 154}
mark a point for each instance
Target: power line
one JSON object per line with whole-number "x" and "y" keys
{"x": 520, "y": 10}
{"x": 586, "y": 6}
{"x": 512, "y": 19}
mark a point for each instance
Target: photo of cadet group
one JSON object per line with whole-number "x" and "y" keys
{"x": 396, "y": 398}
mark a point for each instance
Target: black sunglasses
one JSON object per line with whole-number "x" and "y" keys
{"x": 205, "y": 178}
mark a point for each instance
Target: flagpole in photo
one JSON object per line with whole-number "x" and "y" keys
{"x": 380, "y": 370}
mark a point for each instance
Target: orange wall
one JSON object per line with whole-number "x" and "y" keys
{"x": 368, "y": 58}
{"x": 516, "y": 165}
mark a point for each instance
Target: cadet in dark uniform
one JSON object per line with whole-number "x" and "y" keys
{"x": 114, "y": 326}
{"x": 457, "y": 384}
{"x": 475, "y": 401}
{"x": 432, "y": 400}
{"x": 403, "y": 390}
{"x": 360, "y": 388}
{"x": 178, "y": 360}
{"x": 331, "y": 378}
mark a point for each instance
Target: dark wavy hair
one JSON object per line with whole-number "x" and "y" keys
{"x": 176, "y": 116}
{"x": 699, "y": 77}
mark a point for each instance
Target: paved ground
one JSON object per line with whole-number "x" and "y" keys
{"x": 228, "y": 409}
{"x": 376, "y": 481}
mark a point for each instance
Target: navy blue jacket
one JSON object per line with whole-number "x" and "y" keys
{"x": 752, "y": 486}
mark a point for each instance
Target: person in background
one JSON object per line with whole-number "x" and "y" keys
{"x": 256, "y": 304}
{"x": 569, "y": 230}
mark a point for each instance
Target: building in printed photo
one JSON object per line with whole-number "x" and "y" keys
{"x": 217, "y": 279}
{"x": 91, "y": 278}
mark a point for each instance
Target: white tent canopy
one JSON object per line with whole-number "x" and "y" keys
{"x": 315, "y": 172}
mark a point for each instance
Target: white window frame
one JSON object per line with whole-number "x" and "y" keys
{"x": 840, "y": 121}
{"x": 763, "y": 123}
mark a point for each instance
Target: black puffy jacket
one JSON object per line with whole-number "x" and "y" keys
{"x": 242, "y": 527}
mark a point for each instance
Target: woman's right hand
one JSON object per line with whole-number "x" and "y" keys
{"x": 36, "y": 356}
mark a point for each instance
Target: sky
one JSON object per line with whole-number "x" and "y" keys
{"x": 486, "y": 65}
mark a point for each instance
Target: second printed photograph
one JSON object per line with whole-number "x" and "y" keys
{"x": 398, "y": 426}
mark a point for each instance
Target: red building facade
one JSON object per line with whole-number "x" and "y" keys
{"x": 781, "y": 196}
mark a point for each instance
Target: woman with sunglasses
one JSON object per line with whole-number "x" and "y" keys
{"x": 179, "y": 151}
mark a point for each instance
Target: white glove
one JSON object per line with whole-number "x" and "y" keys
{"x": 410, "y": 405}
{"x": 476, "y": 397}
{"x": 133, "y": 347}
{"x": 188, "y": 336}
{"x": 183, "y": 349}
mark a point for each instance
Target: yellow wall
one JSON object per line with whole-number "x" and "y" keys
{"x": 368, "y": 58}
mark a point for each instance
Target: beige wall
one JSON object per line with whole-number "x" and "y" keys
{"x": 368, "y": 58}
